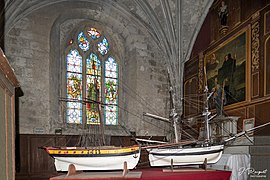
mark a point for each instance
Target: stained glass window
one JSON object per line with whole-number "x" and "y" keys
{"x": 91, "y": 80}
{"x": 74, "y": 87}
{"x": 83, "y": 42}
{"x": 111, "y": 91}
{"x": 103, "y": 46}
{"x": 93, "y": 33}
{"x": 93, "y": 91}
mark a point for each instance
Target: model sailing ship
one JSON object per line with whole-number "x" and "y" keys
{"x": 167, "y": 154}
{"x": 95, "y": 157}
{"x": 197, "y": 153}
{"x": 180, "y": 155}
{"x": 98, "y": 157}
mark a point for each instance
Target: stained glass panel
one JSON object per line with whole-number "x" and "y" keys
{"x": 74, "y": 87}
{"x": 83, "y": 42}
{"x": 111, "y": 68}
{"x": 93, "y": 94}
{"x": 74, "y": 112}
{"x": 103, "y": 46}
{"x": 93, "y": 88}
{"x": 74, "y": 61}
{"x": 93, "y": 33}
{"x": 111, "y": 115}
{"x": 93, "y": 66}
{"x": 92, "y": 117}
{"x": 111, "y": 91}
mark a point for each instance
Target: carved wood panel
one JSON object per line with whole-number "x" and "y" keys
{"x": 255, "y": 56}
{"x": 267, "y": 66}
{"x": 255, "y": 45}
{"x": 255, "y": 85}
{"x": 262, "y": 115}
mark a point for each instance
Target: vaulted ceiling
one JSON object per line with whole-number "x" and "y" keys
{"x": 173, "y": 24}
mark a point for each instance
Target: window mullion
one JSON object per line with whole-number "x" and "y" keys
{"x": 84, "y": 90}
{"x": 102, "y": 98}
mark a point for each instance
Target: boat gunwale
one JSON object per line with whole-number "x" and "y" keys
{"x": 186, "y": 153}
{"x": 93, "y": 148}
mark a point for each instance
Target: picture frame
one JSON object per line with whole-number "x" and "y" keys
{"x": 266, "y": 24}
{"x": 227, "y": 70}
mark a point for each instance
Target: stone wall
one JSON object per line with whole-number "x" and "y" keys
{"x": 150, "y": 36}
{"x": 35, "y": 48}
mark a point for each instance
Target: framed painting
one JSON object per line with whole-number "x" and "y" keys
{"x": 226, "y": 70}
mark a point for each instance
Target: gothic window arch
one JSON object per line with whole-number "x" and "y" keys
{"x": 91, "y": 79}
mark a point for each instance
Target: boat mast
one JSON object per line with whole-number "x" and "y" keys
{"x": 173, "y": 113}
{"x": 206, "y": 114}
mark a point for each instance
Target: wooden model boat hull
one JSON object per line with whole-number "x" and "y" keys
{"x": 184, "y": 156}
{"x": 95, "y": 159}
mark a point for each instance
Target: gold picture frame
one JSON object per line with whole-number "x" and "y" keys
{"x": 233, "y": 77}
{"x": 266, "y": 25}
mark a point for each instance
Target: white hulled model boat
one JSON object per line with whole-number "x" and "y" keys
{"x": 170, "y": 154}
{"x": 101, "y": 158}
{"x": 184, "y": 156}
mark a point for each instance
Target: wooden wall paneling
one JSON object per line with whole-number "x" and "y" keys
{"x": 262, "y": 58}
{"x": 234, "y": 13}
{"x": 8, "y": 83}
{"x": 250, "y": 7}
{"x": 262, "y": 115}
{"x": 214, "y": 23}
{"x": 234, "y": 19}
{"x": 7, "y": 140}
{"x": 266, "y": 22}
{"x": 255, "y": 56}
{"x": 10, "y": 134}
{"x": 186, "y": 100}
{"x": 255, "y": 85}
{"x": 71, "y": 140}
{"x": 201, "y": 73}
{"x": 193, "y": 83}
{"x": 122, "y": 141}
{"x": 267, "y": 66}
{"x": 40, "y": 162}
{"x": 35, "y": 163}
{"x": 23, "y": 166}
{"x": 3, "y": 162}
{"x": 60, "y": 140}
{"x": 251, "y": 112}
{"x": 191, "y": 68}
{"x": 203, "y": 38}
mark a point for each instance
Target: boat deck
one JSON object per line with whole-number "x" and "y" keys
{"x": 151, "y": 174}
